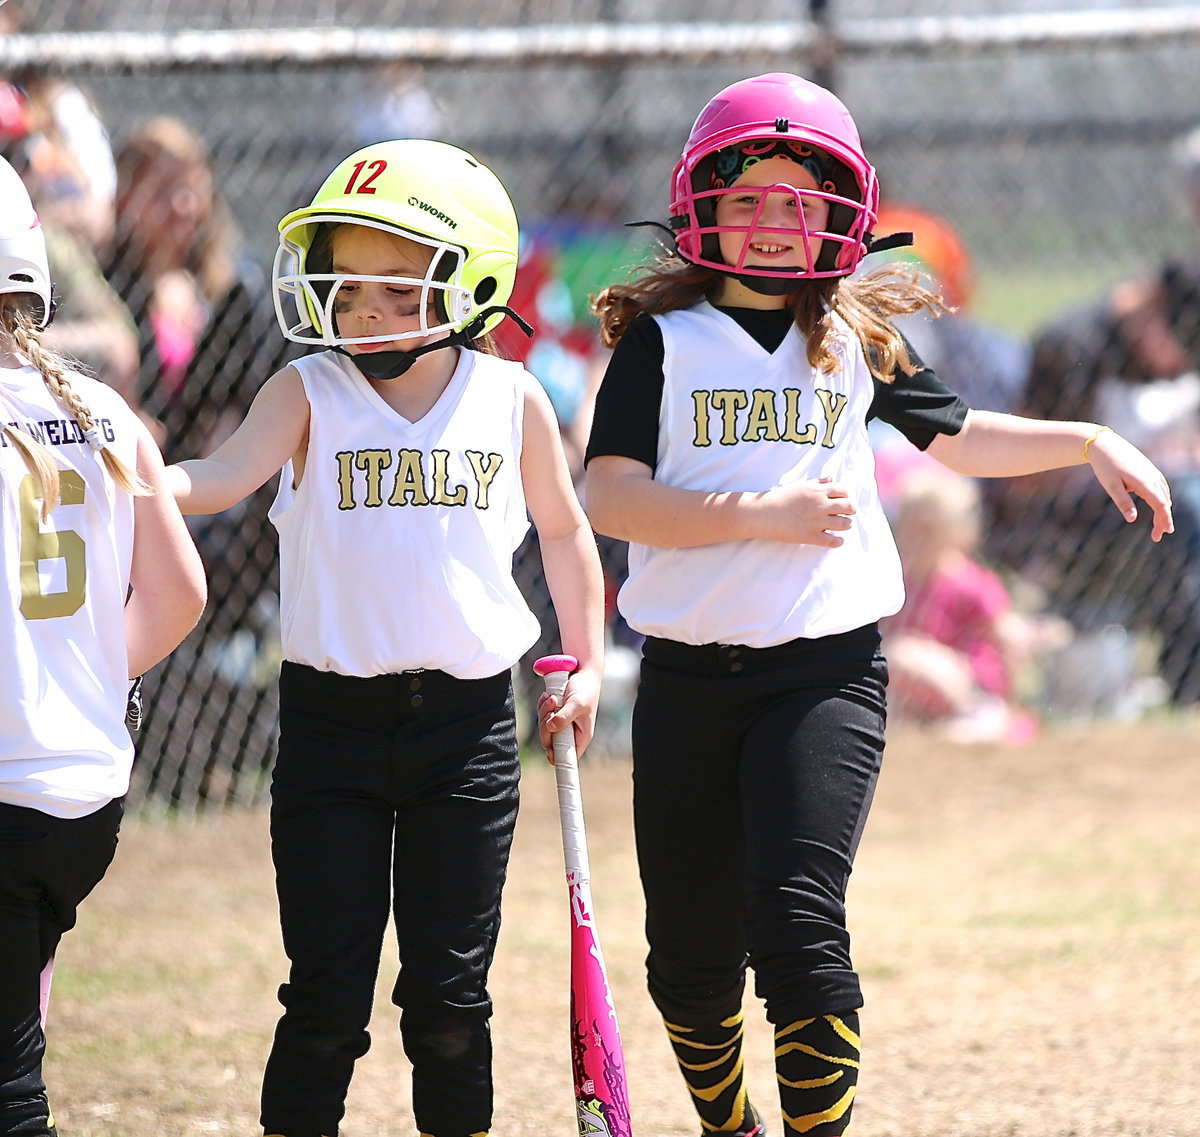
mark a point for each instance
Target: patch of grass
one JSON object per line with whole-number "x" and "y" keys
{"x": 1025, "y": 300}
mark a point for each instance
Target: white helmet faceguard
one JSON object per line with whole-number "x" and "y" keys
{"x": 304, "y": 301}
{"x": 23, "y": 265}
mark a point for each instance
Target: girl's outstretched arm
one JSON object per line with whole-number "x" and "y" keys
{"x": 166, "y": 575}
{"x": 994, "y": 445}
{"x": 572, "y": 567}
{"x": 274, "y": 430}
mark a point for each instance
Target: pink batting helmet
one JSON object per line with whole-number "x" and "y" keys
{"x": 817, "y": 129}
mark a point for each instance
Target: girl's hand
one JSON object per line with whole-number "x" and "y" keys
{"x": 577, "y": 710}
{"x": 1122, "y": 469}
{"x": 811, "y": 513}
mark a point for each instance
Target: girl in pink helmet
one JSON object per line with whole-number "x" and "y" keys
{"x": 730, "y": 448}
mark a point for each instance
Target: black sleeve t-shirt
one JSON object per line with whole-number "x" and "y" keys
{"x": 625, "y": 422}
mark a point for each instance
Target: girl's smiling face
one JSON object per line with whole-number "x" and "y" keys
{"x": 376, "y": 308}
{"x": 768, "y": 228}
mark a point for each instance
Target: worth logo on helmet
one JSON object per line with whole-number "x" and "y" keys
{"x": 434, "y": 210}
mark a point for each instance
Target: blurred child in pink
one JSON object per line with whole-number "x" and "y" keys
{"x": 957, "y": 646}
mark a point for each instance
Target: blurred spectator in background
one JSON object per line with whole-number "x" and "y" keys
{"x": 559, "y": 260}
{"x": 208, "y": 340}
{"x": 68, "y": 147}
{"x": 1130, "y": 358}
{"x": 54, "y": 138}
{"x": 91, "y": 324}
{"x": 958, "y": 647}
{"x": 203, "y": 312}
{"x": 395, "y": 104}
{"x": 984, "y": 364}
{"x": 558, "y": 356}
{"x": 561, "y": 353}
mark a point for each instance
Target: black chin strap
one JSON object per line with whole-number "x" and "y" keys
{"x": 383, "y": 365}
{"x": 891, "y": 241}
{"x": 781, "y": 285}
{"x": 653, "y": 225}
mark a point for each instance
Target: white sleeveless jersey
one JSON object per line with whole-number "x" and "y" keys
{"x": 736, "y": 417}
{"x": 64, "y": 748}
{"x": 396, "y": 550}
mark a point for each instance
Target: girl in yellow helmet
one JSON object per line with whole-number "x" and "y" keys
{"x": 410, "y": 457}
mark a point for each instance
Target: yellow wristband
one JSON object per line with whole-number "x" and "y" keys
{"x": 1099, "y": 431}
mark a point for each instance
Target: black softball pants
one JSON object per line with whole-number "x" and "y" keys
{"x": 48, "y": 865}
{"x": 394, "y": 793}
{"x": 754, "y": 771}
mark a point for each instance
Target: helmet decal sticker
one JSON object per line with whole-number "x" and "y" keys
{"x": 732, "y": 162}
{"x": 365, "y": 186}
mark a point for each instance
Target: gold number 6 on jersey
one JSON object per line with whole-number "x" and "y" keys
{"x": 38, "y": 544}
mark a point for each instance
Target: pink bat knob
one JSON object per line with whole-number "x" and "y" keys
{"x": 549, "y": 664}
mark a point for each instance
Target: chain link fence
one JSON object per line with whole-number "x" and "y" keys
{"x": 1047, "y": 141}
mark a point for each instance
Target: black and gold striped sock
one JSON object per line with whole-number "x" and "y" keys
{"x": 710, "y": 1058}
{"x": 816, "y": 1063}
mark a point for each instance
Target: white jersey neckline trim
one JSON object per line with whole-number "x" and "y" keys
{"x": 449, "y": 397}
{"x": 734, "y": 331}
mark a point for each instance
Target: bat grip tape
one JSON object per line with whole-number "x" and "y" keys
{"x": 570, "y": 800}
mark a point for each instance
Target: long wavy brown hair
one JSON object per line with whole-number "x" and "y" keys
{"x": 867, "y": 304}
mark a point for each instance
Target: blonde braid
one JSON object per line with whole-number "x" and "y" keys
{"x": 38, "y": 459}
{"x": 39, "y": 463}
{"x": 58, "y": 382}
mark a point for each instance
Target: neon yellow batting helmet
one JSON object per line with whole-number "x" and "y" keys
{"x": 430, "y": 192}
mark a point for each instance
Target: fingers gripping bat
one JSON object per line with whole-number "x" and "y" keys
{"x": 597, "y": 1061}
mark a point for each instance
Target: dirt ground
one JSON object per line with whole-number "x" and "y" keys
{"x": 1026, "y": 921}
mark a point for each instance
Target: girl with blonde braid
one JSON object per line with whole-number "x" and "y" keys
{"x": 101, "y": 582}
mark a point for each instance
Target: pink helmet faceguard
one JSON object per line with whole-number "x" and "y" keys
{"x": 751, "y": 118}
